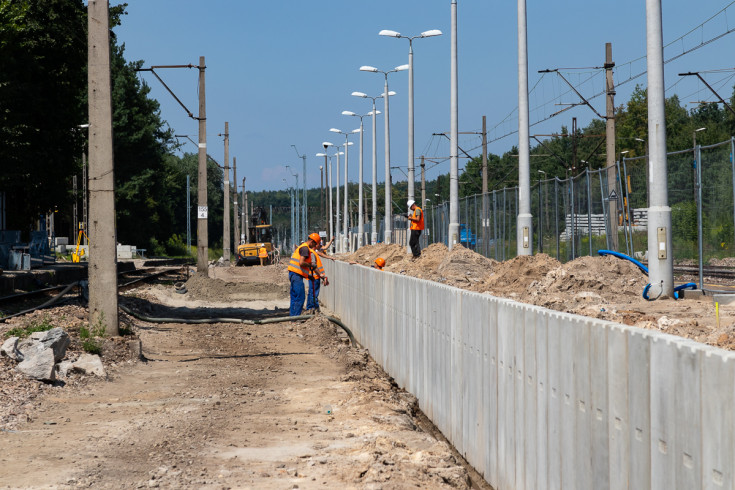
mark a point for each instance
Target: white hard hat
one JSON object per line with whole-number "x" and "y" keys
{"x": 411, "y": 202}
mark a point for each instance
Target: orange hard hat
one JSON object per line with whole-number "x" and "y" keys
{"x": 380, "y": 262}
{"x": 315, "y": 236}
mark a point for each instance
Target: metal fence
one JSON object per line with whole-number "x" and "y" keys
{"x": 571, "y": 215}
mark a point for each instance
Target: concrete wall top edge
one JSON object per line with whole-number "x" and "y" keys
{"x": 651, "y": 335}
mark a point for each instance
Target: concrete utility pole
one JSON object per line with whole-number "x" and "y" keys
{"x": 85, "y": 198}
{"x": 454, "y": 139}
{"x": 235, "y": 211}
{"x": 245, "y": 213}
{"x": 74, "y": 207}
{"x": 202, "y": 212}
{"x": 423, "y": 184}
{"x": 610, "y": 148}
{"x": 524, "y": 232}
{"x": 660, "y": 259}
{"x": 102, "y": 268}
{"x": 484, "y": 184}
{"x": 304, "y": 213}
{"x": 226, "y": 220}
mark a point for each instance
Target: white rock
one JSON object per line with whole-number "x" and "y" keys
{"x": 89, "y": 364}
{"x": 10, "y": 349}
{"x": 38, "y": 364}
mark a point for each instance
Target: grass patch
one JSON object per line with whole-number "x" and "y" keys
{"x": 34, "y": 326}
{"x": 92, "y": 336}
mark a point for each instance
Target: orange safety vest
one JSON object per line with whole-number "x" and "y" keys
{"x": 295, "y": 264}
{"x": 263, "y": 253}
{"x": 420, "y": 224}
{"x": 319, "y": 272}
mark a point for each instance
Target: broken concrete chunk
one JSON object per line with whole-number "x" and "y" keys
{"x": 57, "y": 340}
{"x": 89, "y": 364}
{"x": 10, "y": 349}
{"x": 38, "y": 364}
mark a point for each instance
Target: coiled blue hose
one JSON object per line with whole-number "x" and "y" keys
{"x": 689, "y": 285}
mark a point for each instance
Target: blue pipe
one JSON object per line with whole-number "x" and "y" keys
{"x": 689, "y": 285}
{"x": 625, "y": 257}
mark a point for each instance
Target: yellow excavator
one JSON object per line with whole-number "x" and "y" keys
{"x": 259, "y": 235}
{"x": 77, "y": 255}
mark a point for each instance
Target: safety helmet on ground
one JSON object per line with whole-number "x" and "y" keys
{"x": 315, "y": 236}
{"x": 380, "y": 262}
{"x": 411, "y": 202}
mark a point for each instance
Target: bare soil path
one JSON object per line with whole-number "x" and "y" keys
{"x": 286, "y": 405}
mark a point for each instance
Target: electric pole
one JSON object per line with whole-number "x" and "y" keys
{"x": 202, "y": 212}
{"x": 226, "y": 220}
{"x": 235, "y": 210}
{"x": 484, "y": 185}
{"x": 102, "y": 268}
{"x": 610, "y": 148}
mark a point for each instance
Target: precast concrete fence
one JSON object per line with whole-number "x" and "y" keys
{"x": 535, "y": 398}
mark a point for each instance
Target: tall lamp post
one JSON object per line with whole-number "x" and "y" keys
{"x": 290, "y": 194}
{"x": 345, "y": 211}
{"x": 296, "y": 215}
{"x": 304, "y": 216}
{"x": 360, "y": 217}
{"x": 328, "y": 169}
{"x": 388, "y": 210}
{"x": 374, "y": 113}
{"x": 431, "y": 33}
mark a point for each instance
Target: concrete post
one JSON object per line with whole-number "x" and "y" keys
{"x": 660, "y": 257}
{"x": 202, "y": 211}
{"x": 453, "y": 237}
{"x": 524, "y": 229}
{"x": 235, "y": 212}
{"x": 226, "y": 220}
{"x": 103, "y": 236}
{"x": 374, "y": 231}
{"x": 411, "y": 173}
{"x": 484, "y": 185}
{"x": 610, "y": 147}
{"x": 360, "y": 216}
{"x": 388, "y": 207}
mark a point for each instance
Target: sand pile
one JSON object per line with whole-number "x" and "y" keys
{"x": 366, "y": 255}
{"x": 204, "y": 288}
{"x": 513, "y": 277}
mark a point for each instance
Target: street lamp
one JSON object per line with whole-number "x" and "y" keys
{"x": 431, "y": 33}
{"x": 360, "y": 217}
{"x": 325, "y": 145}
{"x": 374, "y": 113}
{"x": 388, "y": 210}
{"x": 290, "y": 194}
{"x": 296, "y": 201}
{"x": 343, "y": 244}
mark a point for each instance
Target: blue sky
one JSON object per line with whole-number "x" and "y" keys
{"x": 281, "y": 72}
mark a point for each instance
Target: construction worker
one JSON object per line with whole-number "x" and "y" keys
{"x": 262, "y": 254}
{"x": 416, "y": 217}
{"x": 379, "y": 263}
{"x": 302, "y": 265}
{"x": 312, "y": 299}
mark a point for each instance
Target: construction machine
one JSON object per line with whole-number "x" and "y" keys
{"x": 258, "y": 235}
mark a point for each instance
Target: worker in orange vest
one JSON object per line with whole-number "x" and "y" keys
{"x": 416, "y": 217}
{"x": 379, "y": 263}
{"x": 262, "y": 255}
{"x": 302, "y": 266}
{"x": 312, "y": 299}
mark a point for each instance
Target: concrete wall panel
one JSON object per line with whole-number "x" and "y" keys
{"x": 540, "y": 399}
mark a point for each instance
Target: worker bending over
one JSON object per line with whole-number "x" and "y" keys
{"x": 379, "y": 263}
{"x": 304, "y": 264}
{"x": 416, "y": 217}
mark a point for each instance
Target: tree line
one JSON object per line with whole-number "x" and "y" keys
{"x": 43, "y": 103}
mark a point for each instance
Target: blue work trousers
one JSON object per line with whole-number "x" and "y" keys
{"x": 312, "y": 300}
{"x": 298, "y": 293}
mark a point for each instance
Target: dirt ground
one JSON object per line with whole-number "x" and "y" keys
{"x": 226, "y": 405}
{"x": 601, "y": 287}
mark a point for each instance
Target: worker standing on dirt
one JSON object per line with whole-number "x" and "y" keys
{"x": 262, "y": 255}
{"x": 379, "y": 263}
{"x": 302, "y": 266}
{"x": 416, "y": 217}
{"x": 318, "y": 275}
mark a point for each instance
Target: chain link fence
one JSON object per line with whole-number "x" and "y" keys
{"x": 572, "y": 216}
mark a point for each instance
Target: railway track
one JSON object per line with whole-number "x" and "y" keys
{"x": 718, "y": 272}
{"x": 13, "y": 303}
